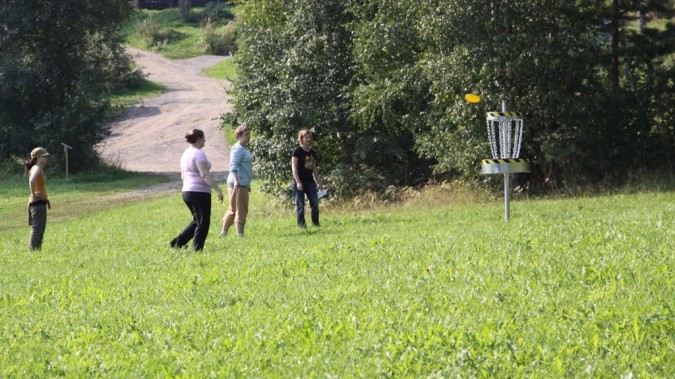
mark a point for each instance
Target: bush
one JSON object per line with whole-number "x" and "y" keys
{"x": 185, "y": 10}
{"x": 217, "y": 11}
{"x": 149, "y": 30}
{"x": 346, "y": 181}
{"x": 216, "y": 43}
{"x": 152, "y": 33}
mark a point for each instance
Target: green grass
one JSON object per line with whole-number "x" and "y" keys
{"x": 184, "y": 41}
{"x": 78, "y": 195}
{"x": 577, "y": 287}
{"x": 226, "y": 70}
{"x": 126, "y": 97}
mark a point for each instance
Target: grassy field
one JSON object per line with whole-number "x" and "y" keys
{"x": 72, "y": 198}
{"x": 183, "y": 41}
{"x": 577, "y": 287}
{"x": 126, "y": 97}
{"x": 226, "y": 69}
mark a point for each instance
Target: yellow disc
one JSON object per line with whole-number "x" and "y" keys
{"x": 472, "y": 98}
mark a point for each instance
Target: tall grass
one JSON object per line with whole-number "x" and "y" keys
{"x": 569, "y": 288}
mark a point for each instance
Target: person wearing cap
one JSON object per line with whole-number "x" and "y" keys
{"x": 38, "y": 202}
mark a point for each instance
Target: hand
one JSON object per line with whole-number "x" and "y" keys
{"x": 220, "y": 196}
{"x": 299, "y": 186}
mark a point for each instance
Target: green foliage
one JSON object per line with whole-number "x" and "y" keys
{"x": 382, "y": 82}
{"x": 152, "y": 33}
{"x": 185, "y": 10}
{"x": 218, "y": 11}
{"x": 569, "y": 288}
{"x": 297, "y": 70}
{"x": 53, "y": 78}
{"x": 175, "y": 38}
{"x": 218, "y": 43}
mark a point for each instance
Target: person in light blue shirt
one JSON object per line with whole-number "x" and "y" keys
{"x": 239, "y": 182}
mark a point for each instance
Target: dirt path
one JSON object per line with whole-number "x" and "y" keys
{"x": 150, "y": 137}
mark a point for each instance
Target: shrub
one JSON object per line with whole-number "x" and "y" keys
{"x": 217, "y": 11}
{"x": 216, "y": 43}
{"x": 149, "y": 30}
{"x": 152, "y": 33}
{"x": 346, "y": 181}
{"x": 185, "y": 10}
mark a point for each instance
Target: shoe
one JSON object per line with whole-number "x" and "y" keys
{"x": 222, "y": 234}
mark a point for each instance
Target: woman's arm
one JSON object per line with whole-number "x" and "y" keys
{"x": 235, "y": 164}
{"x": 208, "y": 178}
{"x": 294, "y": 170}
{"x": 315, "y": 175}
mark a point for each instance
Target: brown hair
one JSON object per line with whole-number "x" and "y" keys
{"x": 193, "y": 135}
{"x": 241, "y": 129}
{"x": 302, "y": 134}
{"x": 28, "y": 164}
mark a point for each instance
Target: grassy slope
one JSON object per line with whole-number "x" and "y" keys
{"x": 185, "y": 36}
{"x": 575, "y": 287}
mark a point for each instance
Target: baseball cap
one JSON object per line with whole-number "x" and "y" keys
{"x": 39, "y": 152}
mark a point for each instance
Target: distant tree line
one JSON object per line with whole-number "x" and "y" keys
{"x": 163, "y": 4}
{"x": 382, "y": 81}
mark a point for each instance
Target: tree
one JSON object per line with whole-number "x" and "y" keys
{"x": 383, "y": 84}
{"x": 298, "y": 69}
{"x": 638, "y": 130}
{"x": 293, "y": 73}
{"x": 56, "y": 60}
{"x": 538, "y": 56}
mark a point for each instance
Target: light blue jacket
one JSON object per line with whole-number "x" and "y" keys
{"x": 241, "y": 164}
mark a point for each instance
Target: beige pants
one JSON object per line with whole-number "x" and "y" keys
{"x": 238, "y": 209}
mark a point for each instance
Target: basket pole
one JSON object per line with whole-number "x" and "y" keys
{"x": 507, "y": 189}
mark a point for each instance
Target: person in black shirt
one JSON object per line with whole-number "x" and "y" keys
{"x": 305, "y": 177}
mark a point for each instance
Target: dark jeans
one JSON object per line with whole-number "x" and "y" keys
{"x": 38, "y": 223}
{"x": 309, "y": 189}
{"x": 199, "y": 204}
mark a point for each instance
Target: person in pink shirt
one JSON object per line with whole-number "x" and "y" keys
{"x": 197, "y": 184}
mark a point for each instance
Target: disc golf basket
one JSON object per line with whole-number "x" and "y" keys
{"x": 505, "y": 133}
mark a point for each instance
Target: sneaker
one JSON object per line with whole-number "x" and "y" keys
{"x": 222, "y": 234}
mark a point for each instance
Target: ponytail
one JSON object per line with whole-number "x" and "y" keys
{"x": 28, "y": 164}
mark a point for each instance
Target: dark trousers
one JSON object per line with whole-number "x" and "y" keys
{"x": 309, "y": 189}
{"x": 199, "y": 204}
{"x": 38, "y": 222}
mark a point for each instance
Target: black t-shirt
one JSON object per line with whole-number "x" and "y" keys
{"x": 306, "y": 163}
